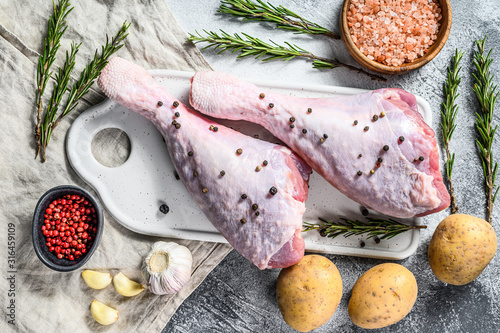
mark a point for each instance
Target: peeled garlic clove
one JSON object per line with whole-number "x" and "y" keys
{"x": 102, "y": 313}
{"x": 96, "y": 280}
{"x": 167, "y": 267}
{"x": 126, "y": 287}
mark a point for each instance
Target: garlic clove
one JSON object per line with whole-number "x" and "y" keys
{"x": 167, "y": 267}
{"x": 102, "y": 313}
{"x": 126, "y": 287}
{"x": 96, "y": 280}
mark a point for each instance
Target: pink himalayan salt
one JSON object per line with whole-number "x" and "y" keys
{"x": 393, "y": 32}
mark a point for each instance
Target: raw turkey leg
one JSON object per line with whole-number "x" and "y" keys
{"x": 252, "y": 191}
{"x": 374, "y": 147}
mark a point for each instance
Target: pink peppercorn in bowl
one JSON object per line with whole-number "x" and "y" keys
{"x": 394, "y": 41}
{"x": 67, "y": 227}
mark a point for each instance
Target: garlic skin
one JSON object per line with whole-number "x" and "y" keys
{"x": 167, "y": 267}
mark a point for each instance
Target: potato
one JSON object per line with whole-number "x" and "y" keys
{"x": 309, "y": 292}
{"x": 382, "y": 296}
{"x": 460, "y": 248}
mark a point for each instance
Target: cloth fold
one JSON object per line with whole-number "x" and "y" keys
{"x": 46, "y": 300}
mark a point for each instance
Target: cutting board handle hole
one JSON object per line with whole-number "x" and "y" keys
{"x": 111, "y": 147}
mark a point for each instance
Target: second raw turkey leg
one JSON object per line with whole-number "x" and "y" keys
{"x": 374, "y": 147}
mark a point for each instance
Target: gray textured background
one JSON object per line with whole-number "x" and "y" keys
{"x": 237, "y": 297}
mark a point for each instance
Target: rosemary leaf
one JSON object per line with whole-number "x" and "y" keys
{"x": 383, "y": 229}
{"x": 281, "y": 16}
{"x": 251, "y": 46}
{"x": 486, "y": 93}
{"x": 449, "y": 110}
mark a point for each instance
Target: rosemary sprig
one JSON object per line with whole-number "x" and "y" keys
{"x": 449, "y": 111}
{"x": 62, "y": 79}
{"x": 487, "y": 95}
{"x": 283, "y": 17}
{"x": 81, "y": 87}
{"x": 251, "y": 46}
{"x": 56, "y": 28}
{"x": 383, "y": 229}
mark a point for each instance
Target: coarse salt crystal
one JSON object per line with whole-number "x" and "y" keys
{"x": 394, "y": 31}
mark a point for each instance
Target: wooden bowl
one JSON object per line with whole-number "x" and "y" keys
{"x": 444, "y": 31}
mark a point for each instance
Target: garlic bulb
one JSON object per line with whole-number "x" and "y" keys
{"x": 167, "y": 267}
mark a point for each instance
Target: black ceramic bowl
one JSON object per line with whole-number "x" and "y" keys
{"x": 39, "y": 240}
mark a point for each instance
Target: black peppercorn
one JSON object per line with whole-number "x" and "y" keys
{"x": 176, "y": 104}
{"x": 177, "y": 114}
{"x": 292, "y": 119}
{"x": 243, "y": 221}
{"x": 421, "y": 158}
{"x": 255, "y": 206}
{"x": 304, "y": 131}
{"x": 160, "y": 103}
{"x": 401, "y": 138}
{"x": 366, "y": 128}
{"x": 271, "y": 105}
{"x": 359, "y": 173}
{"x": 164, "y": 208}
{"x": 264, "y": 163}
{"x": 190, "y": 153}
{"x": 222, "y": 173}
{"x": 309, "y": 110}
{"x": 386, "y": 148}
{"x": 243, "y": 196}
{"x": 380, "y": 160}
{"x": 262, "y": 95}
{"x": 239, "y": 151}
{"x": 273, "y": 190}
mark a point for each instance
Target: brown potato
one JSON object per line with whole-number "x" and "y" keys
{"x": 309, "y": 292}
{"x": 382, "y": 296}
{"x": 461, "y": 247}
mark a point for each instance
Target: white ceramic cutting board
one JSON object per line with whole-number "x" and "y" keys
{"x": 133, "y": 192}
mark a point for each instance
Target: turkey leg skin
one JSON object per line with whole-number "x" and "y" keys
{"x": 224, "y": 170}
{"x": 375, "y": 147}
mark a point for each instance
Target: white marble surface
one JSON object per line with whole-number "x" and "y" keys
{"x": 237, "y": 297}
